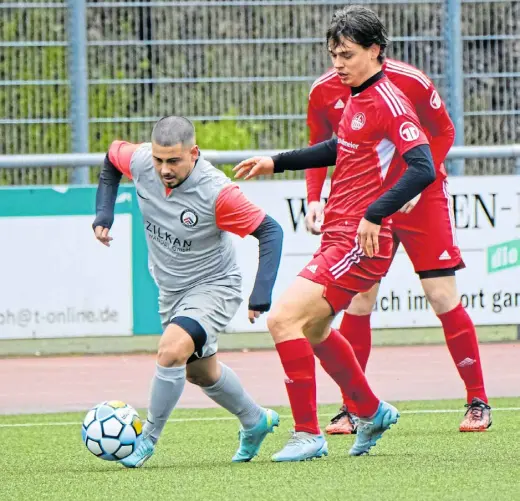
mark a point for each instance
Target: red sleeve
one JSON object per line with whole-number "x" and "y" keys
{"x": 315, "y": 179}
{"x": 397, "y": 117}
{"x": 120, "y": 154}
{"x": 436, "y": 121}
{"x": 235, "y": 213}
{"x": 320, "y": 129}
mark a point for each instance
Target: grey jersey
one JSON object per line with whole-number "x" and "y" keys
{"x": 185, "y": 246}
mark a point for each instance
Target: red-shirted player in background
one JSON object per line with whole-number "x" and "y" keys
{"x": 426, "y": 232}
{"x": 379, "y": 135}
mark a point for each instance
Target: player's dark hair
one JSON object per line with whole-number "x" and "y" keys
{"x": 172, "y": 130}
{"x": 359, "y": 25}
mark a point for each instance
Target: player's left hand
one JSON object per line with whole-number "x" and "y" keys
{"x": 368, "y": 235}
{"x": 408, "y": 206}
{"x": 253, "y": 315}
{"x": 255, "y": 166}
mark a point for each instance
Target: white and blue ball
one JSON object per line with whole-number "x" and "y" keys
{"x": 112, "y": 430}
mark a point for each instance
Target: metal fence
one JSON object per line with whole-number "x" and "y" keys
{"x": 240, "y": 68}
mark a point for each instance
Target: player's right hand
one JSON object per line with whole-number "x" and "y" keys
{"x": 314, "y": 217}
{"x": 102, "y": 234}
{"x": 368, "y": 237}
{"x": 253, "y": 167}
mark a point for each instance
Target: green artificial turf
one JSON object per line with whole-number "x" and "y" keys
{"x": 424, "y": 457}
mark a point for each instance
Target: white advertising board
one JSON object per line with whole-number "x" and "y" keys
{"x": 58, "y": 281}
{"x": 487, "y": 219}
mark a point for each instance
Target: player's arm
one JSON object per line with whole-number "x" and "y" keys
{"x": 419, "y": 174}
{"x": 434, "y": 117}
{"x": 319, "y": 155}
{"x": 270, "y": 239}
{"x": 399, "y": 123}
{"x": 236, "y": 214}
{"x": 117, "y": 163}
{"x": 320, "y": 130}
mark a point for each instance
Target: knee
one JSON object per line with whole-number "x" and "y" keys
{"x": 200, "y": 379}
{"x": 362, "y": 304}
{"x": 279, "y": 323}
{"x": 442, "y": 299}
{"x": 171, "y": 355}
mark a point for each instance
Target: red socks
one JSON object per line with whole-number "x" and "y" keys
{"x": 297, "y": 360}
{"x": 356, "y": 330}
{"x": 462, "y": 342}
{"x": 339, "y": 361}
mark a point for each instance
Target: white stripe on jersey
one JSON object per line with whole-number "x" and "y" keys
{"x": 395, "y": 112}
{"x": 407, "y": 67}
{"x": 345, "y": 263}
{"x": 354, "y": 259}
{"x": 325, "y": 75}
{"x": 385, "y": 151}
{"x": 324, "y": 78}
{"x": 405, "y": 70}
{"x": 344, "y": 258}
{"x": 394, "y": 97}
{"x": 449, "y": 202}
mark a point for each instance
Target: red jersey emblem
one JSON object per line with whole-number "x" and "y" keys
{"x": 358, "y": 121}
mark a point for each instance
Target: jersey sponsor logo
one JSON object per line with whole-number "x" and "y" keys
{"x": 339, "y": 104}
{"x": 167, "y": 239}
{"x": 408, "y": 131}
{"x": 348, "y": 144}
{"x": 189, "y": 218}
{"x": 435, "y": 100}
{"x": 358, "y": 121}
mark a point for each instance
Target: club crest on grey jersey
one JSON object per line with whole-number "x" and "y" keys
{"x": 185, "y": 246}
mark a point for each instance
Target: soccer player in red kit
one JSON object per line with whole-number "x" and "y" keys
{"x": 379, "y": 135}
{"x": 426, "y": 232}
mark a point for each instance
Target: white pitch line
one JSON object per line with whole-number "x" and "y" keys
{"x": 231, "y": 418}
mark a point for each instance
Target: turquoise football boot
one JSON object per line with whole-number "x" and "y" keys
{"x": 143, "y": 453}
{"x": 370, "y": 430}
{"x": 302, "y": 446}
{"x": 251, "y": 440}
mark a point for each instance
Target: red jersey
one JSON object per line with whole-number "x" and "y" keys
{"x": 328, "y": 97}
{"x": 378, "y": 126}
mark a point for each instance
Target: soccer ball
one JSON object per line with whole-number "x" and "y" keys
{"x": 112, "y": 430}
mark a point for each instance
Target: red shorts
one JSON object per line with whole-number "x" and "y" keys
{"x": 340, "y": 266}
{"x": 427, "y": 232}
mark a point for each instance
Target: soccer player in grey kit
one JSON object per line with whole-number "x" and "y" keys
{"x": 189, "y": 209}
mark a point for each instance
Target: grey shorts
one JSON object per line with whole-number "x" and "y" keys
{"x": 212, "y": 305}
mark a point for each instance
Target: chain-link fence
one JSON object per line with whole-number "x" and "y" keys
{"x": 491, "y": 63}
{"x": 241, "y": 69}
